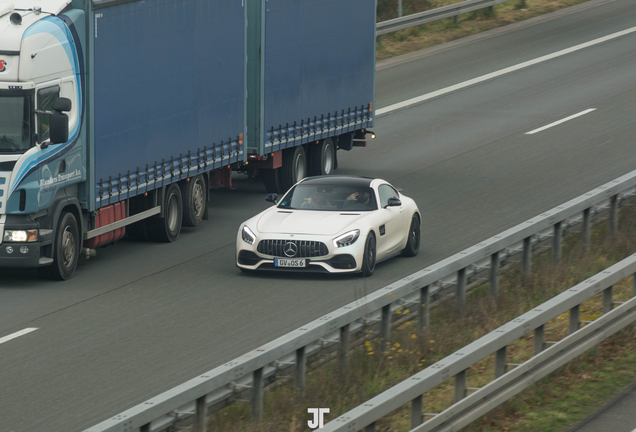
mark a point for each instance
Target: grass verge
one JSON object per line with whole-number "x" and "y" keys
{"x": 416, "y": 38}
{"x": 558, "y": 401}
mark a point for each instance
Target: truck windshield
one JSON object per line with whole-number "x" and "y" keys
{"x": 15, "y": 121}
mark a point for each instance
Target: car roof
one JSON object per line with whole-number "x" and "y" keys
{"x": 339, "y": 180}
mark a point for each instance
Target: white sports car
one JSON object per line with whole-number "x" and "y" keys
{"x": 334, "y": 224}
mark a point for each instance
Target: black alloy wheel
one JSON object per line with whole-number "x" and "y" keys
{"x": 413, "y": 241}
{"x": 368, "y": 261}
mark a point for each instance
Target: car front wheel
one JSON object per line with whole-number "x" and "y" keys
{"x": 368, "y": 261}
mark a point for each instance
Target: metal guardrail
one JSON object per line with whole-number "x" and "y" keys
{"x": 194, "y": 397}
{"x": 437, "y": 14}
{"x": 469, "y": 408}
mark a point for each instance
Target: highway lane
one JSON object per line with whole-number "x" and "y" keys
{"x": 142, "y": 318}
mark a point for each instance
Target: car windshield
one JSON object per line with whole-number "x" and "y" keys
{"x": 15, "y": 122}
{"x": 329, "y": 198}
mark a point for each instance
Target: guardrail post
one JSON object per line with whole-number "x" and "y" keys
{"x": 613, "y": 216}
{"x": 301, "y": 370}
{"x": 526, "y": 259}
{"x": 586, "y": 229}
{"x": 399, "y": 8}
{"x": 416, "y": 412}
{"x": 494, "y": 274}
{"x": 460, "y": 386}
{"x": 201, "y": 415}
{"x": 607, "y": 300}
{"x": 556, "y": 243}
{"x": 385, "y": 327}
{"x": 343, "y": 347}
{"x": 501, "y": 361}
{"x": 370, "y": 428}
{"x": 455, "y": 18}
{"x": 575, "y": 318}
{"x": 634, "y": 286}
{"x": 145, "y": 428}
{"x": 460, "y": 291}
{"x": 539, "y": 339}
{"x": 256, "y": 398}
{"x": 423, "y": 319}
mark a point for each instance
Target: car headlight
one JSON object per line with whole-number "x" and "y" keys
{"x": 346, "y": 239}
{"x": 247, "y": 235}
{"x": 20, "y": 236}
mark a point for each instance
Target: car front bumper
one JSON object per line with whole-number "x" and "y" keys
{"x": 346, "y": 259}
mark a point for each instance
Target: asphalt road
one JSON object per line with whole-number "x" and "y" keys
{"x": 142, "y": 318}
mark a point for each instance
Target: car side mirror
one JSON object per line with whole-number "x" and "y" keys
{"x": 394, "y": 202}
{"x": 273, "y": 198}
{"x": 58, "y": 122}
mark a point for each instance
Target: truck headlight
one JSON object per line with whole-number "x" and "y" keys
{"x": 20, "y": 236}
{"x": 248, "y": 236}
{"x": 346, "y": 239}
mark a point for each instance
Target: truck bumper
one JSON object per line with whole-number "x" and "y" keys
{"x": 23, "y": 254}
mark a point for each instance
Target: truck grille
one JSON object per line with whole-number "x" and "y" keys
{"x": 292, "y": 248}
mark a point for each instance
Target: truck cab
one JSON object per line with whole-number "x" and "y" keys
{"x": 42, "y": 152}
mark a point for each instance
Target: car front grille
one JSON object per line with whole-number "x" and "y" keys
{"x": 284, "y": 248}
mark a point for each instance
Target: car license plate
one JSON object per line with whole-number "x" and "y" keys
{"x": 290, "y": 262}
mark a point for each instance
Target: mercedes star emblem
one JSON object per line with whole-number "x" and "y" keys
{"x": 290, "y": 249}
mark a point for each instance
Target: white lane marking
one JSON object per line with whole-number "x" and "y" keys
{"x": 558, "y": 122}
{"x": 501, "y": 72}
{"x": 17, "y": 334}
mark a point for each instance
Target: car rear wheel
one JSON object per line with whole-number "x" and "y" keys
{"x": 368, "y": 261}
{"x": 413, "y": 241}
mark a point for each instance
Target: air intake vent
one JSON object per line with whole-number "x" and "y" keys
{"x": 22, "y": 200}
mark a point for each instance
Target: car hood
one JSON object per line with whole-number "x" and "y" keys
{"x": 305, "y": 221}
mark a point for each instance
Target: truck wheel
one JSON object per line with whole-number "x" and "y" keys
{"x": 368, "y": 261}
{"x": 322, "y": 158}
{"x": 272, "y": 180}
{"x": 194, "y": 201}
{"x": 294, "y": 167}
{"x": 167, "y": 229}
{"x": 66, "y": 249}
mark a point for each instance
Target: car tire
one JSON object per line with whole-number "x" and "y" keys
{"x": 369, "y": 258}
{"x": 294, "y": 167}
{"x": 167, "y": 228}
{"x": 322, "y": 158}
{"x": 413, "y": 241}
{"x": 66, "y": 249}
{"x": 194, "y": 201}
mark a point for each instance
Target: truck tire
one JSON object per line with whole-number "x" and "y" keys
{"x": 294, "y": 166}
{"x": 194, "y": 201}
{"x": 322, "y": 158}
{"x": 272, "y": 180}
{"x": 66, "y": 249}
{"x": 167, "y": 229}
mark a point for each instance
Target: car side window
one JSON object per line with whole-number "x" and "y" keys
{"x": 386, "y": 192}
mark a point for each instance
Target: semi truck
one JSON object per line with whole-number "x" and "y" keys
{"x": 118, "y": 116}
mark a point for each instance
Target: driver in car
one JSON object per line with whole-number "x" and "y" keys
{"x": 316, "y": 201}
{"x": 357, "y": 200}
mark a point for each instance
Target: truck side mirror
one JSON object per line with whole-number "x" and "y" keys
{"x": 58, "y": 127}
